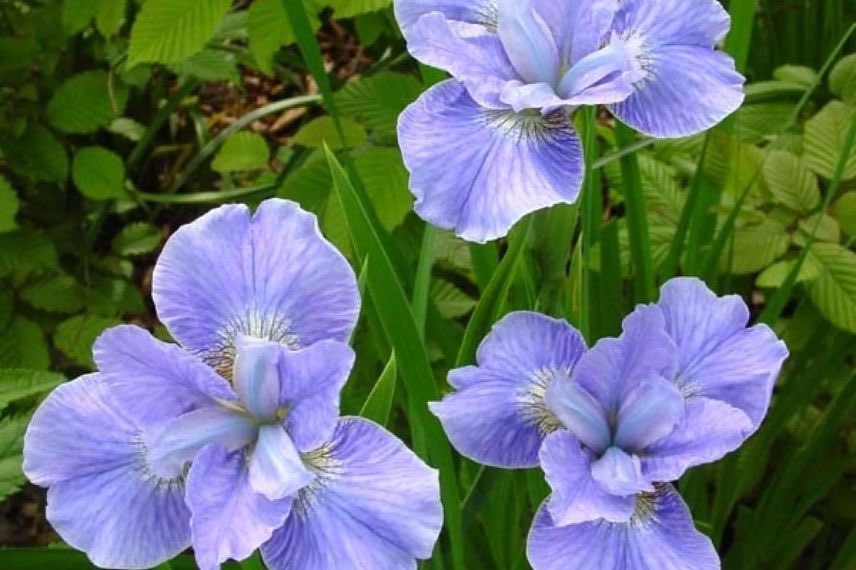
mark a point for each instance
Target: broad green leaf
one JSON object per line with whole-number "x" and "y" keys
{"x": 137, "y": 239}
{"x": 269, "y": 30}
{"x": 9, "y": 205}
{"x": 86, "y": 102}
{"x": 842, "y": 78}
{"x": 826, "y": 229}
{"x": 25, "y": 251}
{"x": 791, "y": 182}
{"x": 128, "y": 128}
{"x": 18, "y": 384}
{"x": 451, "y": 301}
{"x": 775, "y": 275}
{"x": 17, "y": 54}
{"x": 57, "y": 293}
{"x": 98, "y": 173}
{"x": 378, "y": 404}
{"x": 756, "y": 122}
{"x": 351, "y": 8}
{"x": 378, "y": 100}
{"x": 825, "y": 138}
{"x": 22, "y": 345}
{"x": 309, "y": 185}
{"x": 38, "y": 154}
{"x": 243, "y": 151}
{"x": 11, "y": 446}
{"x": 834, "y": 290}
{"x": 75, "y": 336}
{"x": 209, "y": 65}
{"x": 385, "y": 179}
{"x": 845, "y": 212}
{"x": 755, "y": 247}
{"x": 110, "y": 17}
{"x": 76, "y": 14}
{"x": 796, "y": 74}
{"x": 321, "y": 131}
{"x": 167, "y": 31}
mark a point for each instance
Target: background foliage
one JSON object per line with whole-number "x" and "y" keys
{"x": 122, "y": 119}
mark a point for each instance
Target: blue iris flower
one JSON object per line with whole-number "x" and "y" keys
{"x": 495, "y": 142}
{"x": 686, "y": 383}
{"x": 233, "y": 441}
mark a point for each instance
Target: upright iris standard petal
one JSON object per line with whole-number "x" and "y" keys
{"x": 528, "y": 41}
{"x": 620, "y": 473}
{"x": 160, "y": 380}
{"x": 479, "y": 171}
{"x": 84, "y": 445}
{"x": 276, "y": 469}
{"x": 577, "y": 497}
{"x": 270, "y": 275}
{"x": 648, "y": 413}
{"x": 660, "y": 536}
{"x": 256, "y": 375}
{"x": 497, "y": 415}
{"x": 579, "y": 411}
{"x": 720, "y": 358}
{"x": 686, "y": 86}
{"x": 229, "y": 519}
{"x": 578, "y": 27}
{"x": 375, "y": 505}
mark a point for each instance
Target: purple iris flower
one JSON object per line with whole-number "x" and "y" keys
{"x": 233, "y": 441}
{"x": 496, "y": 142}
{"x": 686, "y": 383}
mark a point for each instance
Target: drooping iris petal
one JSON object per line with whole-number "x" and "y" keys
{"x": 719, "y": 357}
{"x": 276, "y": 470}
{"x": 375, "y": 505}
{"x": 229, "y": 519}
{"x": 311, "y": 380}
{"x": 158, "y": 379}
{"x": 528, "y": 41}
{"x": 270, "y": 275}
{"x": 256, "y": 375}
{"x": 710, "y": 429}
{"x": 479, "y": 171}
{"x": 471, "y": 53}
{"x": 177, "y": 442}
{"x": 102, "y": 498}
{"x": 497, "y": 415}
{"x": 579, "y": 26}
{"x": 620, "y": 473}
{"x": 686, "y": 87}
{"x": 580, "y": 412}
{"x": 483, "y": 12}
{"x": 576, "y": 496}
{"x": 661, "y": 535}
{"x": 614, "y": 366}
{"x": 648, "y": 412}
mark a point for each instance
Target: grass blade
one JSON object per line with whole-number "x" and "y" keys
{"x": 378, "y": 404}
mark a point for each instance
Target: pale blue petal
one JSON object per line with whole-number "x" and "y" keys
{"x": 578, "y": 26}
{"x": 674, "y": 22}
{"x": 159, "y": 381}
{"x": 177, "y": 442}
{"x": 482, "y": 12}
{"x": 719, "y": 357}
{"x": 576, "y": 496}
{"x": 620, "y": 473}
{"x": 580, "y": 413}
{"x": 256, "y": 375}
{"x": 662, "y": 538}
{"x": 603, "y": 76}
{"x": 471, "y": 53}
{"x": 528, "y": 41}
{"x": 270, "y": 275}
{"x": 102, "y": 498}
{"x": 229, "y": 520}
{"x": 710, "y": 429}
{"x": 649, "y": 412}
{"x": 497, "y": 415}
{"x": 478, "y": 171}
{"x": 375, "y": 505}
{"x": 276, "y": 469}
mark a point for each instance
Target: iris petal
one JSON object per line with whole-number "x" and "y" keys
{"x": 276, "y": 469}
{"x": 648, "y": 413}
{"x": 528, "y": 41}
{"x": 620, "y": 473}
{"x": 256, "y": 376}
{"x": 580, "y": 412}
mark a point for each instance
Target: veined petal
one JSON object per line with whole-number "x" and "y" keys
{"x": 471, "y": 53}
{"x": 276, "y": 470}
{"x": 648, "y": 413}
{"x": 375, "y": 505}
{"x": 674, "y": 22}
{"x": 482, "y": 12}
{"x": 720, "y": 358}
{"x": 159, "y": 380}
{"x": 528, "y": 41}
{"x": 102, "y": 498}
{"x": 580, "y": 412}
{"x": 709, "y": 430}
{"x": 620, "y": 473}
{"x": 311, "y": 383}
{"x": 661, "y": 535}
{"x": 577, "y": 497}
{"x": 270, "y": 275}
{"x": 578, "y": 26}
{"x": 479, "y": 171}
{"x": 256, "y": 375}
{"x": 497, "y": 415}
{"x": 177, "y": 442}
{"x": 601, "y": 77}
{"x": 684, "y": 90}
{"x": 229, "y": 520}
